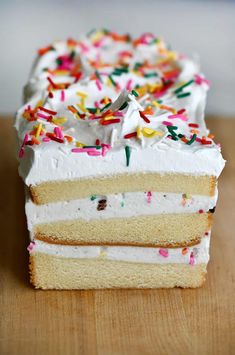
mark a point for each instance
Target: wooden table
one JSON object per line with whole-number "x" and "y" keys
{"x": 176, "y": 321}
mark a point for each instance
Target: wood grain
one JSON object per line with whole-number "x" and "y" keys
{"x": 116, "y": 322}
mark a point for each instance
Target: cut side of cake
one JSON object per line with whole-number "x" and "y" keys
{"x": 119, "y": 167}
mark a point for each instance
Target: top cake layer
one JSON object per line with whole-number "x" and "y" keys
{"x": 109, "y": 104}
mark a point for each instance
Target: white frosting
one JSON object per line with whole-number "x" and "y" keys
{"x": 131, "y": 204}
{"x": 55, "y": 161}
{"x": 130, "y": 254}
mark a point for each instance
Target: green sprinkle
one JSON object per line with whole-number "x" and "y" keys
{"x": 92, "y": 146}
{"x": 128, "y": 154}
{"x": 159, "y": 101}
{"x": 179, "y": 89}
{"x": 58, "y": 61}
{"x": 112, "y": 81}
{"x": 92, "y": 109}
{"x": 134, "y": 93}
{"x": 93, "y": 197}
{"x": 106, "y": 106}
{"x": 192, "y": 139}
{"x": 181, "y": 135}
{"x": 122, "y": 204}
{"x": 180, "y": 96}
{"x": 150, "y": 75}
{"x": 123, "y": 106}
{"x": 72, "y": 54}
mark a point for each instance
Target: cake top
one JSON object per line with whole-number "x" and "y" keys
{"x": 108, "y": 92}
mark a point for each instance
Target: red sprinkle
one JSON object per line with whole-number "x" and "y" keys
{"x": 53, "y": 138}
{"x": 145, "y": 118}
{"x": 105, "y": 123}
{"x": 181, "y": 111}
{"x": 194, "y": 125}
{"x": 97, "y": 142}
{"x": 41, "y": 108}
{"x": 130, "y": 135}
{"x": 200, "y": 211}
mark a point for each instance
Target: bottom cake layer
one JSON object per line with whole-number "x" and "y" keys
{"x": 53, "y": 272}
{"x": 92, "y": 267}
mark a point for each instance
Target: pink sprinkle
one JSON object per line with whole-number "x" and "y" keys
{"x": 163, "y": 252}
{"x": 62, "y": 95}
{"x": 31, "y": 246}
{"x": 119, "y": 114}
{"x": 198, "y": 139}
{"x": 98, "y": 84}
{"x": 46, "y": 139}
{"x": 200, "y": 80}
{"x": 41, "y": 115}
{"x": 167, "y": 123}
{"x": 94, "y": 153}
{"x": 181, "y": 117}
{"x": 105, "y": 149}
{"x": 58, "y": 132}
{"x": 21, "y": 152}
{"x": 97, "y": 105}
{"x": 149, "y": 196}
{"x": 128, "y": 84}
{"x": 191, "y": 259}
{"x": 83, "y": 150}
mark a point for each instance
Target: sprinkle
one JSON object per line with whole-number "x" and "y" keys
{"x": 105, "y": 149}
{"x": 35, "y": 141}
{"x": 184, "y": 251}
{"x": 128, "y": 154}
{"x": 58, "y": 132}
{"x": 181, "y": 96}
{"x": 166, "y": 123}
{"x": 51, "y": 82}
{"x": 108, "y": 122}
{"x": 83, "y": 150}
{"x": 148, "y": 132}
{"x": 179, "y": 116}
{"x": 50, "y": 112}
{"x": 194, "y": 125}
{"x": 98, "y": 84}
{"x": 200, "y": 211}
{"x": 191, "y": 259}
{"x": 134, "y": 93}
{"x": 54, "y": 138}
{"x": 179, "y": 89}
{"x": 31, "y": 246}
{"x": 145, "y": 118}
{"x": 93, "y": 197}
{"x": 39, "y": 128}
{"x": 62, "y": 95}
{"x": 192, "y": 139}
{"x": 82, "y": 94}
{"x": 46, "y": 139}
{"x": 164, "y": 252}
{"x": 149, "y": 196}
{"x": 102, "y": 204}
{"x": 128, "y": 84}
{"x": 130, "y": 135}
{"x": 112, "y": 81}
{"x": 21, "y": 152}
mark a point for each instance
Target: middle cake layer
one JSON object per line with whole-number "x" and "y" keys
{"x": 135, "y": 218}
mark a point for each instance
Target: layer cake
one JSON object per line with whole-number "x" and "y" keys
{"x": 119, "y": 167}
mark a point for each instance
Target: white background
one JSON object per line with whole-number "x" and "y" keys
{"x": 203, "y": 27}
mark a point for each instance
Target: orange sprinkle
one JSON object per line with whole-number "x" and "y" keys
{"x": 211, "y": 136}
{"x": 69, "y": 138}
{"x": 184, "y": 251}
{"x": 35, "y": 141}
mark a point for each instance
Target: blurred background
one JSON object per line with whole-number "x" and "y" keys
{"x": 204, "y": 28}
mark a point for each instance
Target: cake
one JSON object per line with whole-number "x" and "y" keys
{"x": 120, "y": 170}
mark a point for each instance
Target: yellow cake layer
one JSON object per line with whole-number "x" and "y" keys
{"x": 74, "y": 189}
{"x": 164, "y": 230}
{"x": 53, "y": 272}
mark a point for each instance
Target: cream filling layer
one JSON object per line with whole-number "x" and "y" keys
{"x": 191, "y": 255}
{"x": 130, "y": 204}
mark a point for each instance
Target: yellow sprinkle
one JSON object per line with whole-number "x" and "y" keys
{"x": 106, "y": 100}
{"x": 107, "y": 118}
{"x": 82, "y": 94}
{"x": 187, "y": 196}
{"x": 82, "y": 107}
{"x": 59, "y": 120}
{"x": 148, "y": 132}
{"x": 156, "y": 104}
{"x": 39, "y": 128}
{"x": 138, "y": 131}
{"x": 60, "y": 72}
{"x": 79, "y": 144}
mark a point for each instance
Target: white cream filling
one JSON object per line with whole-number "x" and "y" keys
{"x": 198, "y": 254}
{"x": 123, "y": 205}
